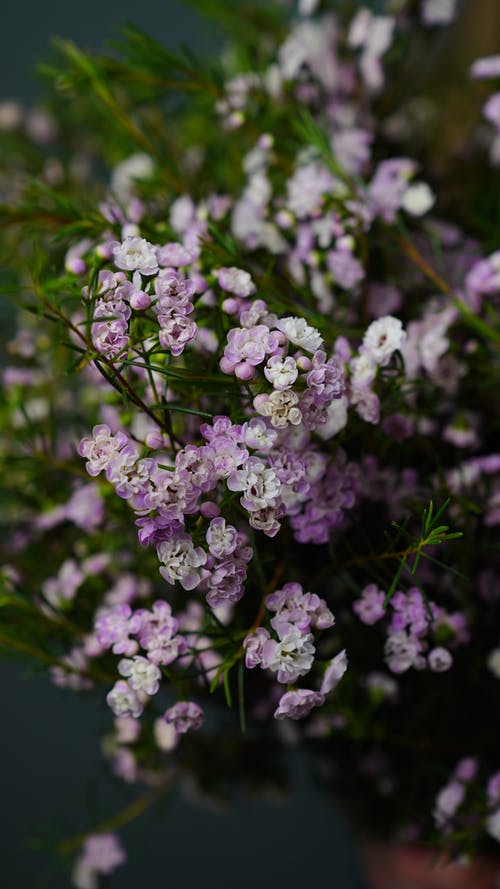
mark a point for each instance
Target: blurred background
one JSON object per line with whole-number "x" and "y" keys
{"x": 53, "y": 780}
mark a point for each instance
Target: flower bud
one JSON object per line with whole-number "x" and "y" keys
{"x": 140, "y": 300}
{"x": 244, "y": 371}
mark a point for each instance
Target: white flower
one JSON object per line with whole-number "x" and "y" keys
{"x": 372, "y": 33}
{"x": 281, "y": 372}
{"x": 259, "y": 484}
{"x": 438, "y": 12}
{"x": 137, "y": 166}
{"x": 493, "y": 662}
{"x": 258, "y": 435}
{"x": 363, "y": 370}
{"x": 124, "y": 701}
{"x": 61, "y": 589}
{"x": 401, "y": 652}
{"x": 448, "y": 801}
{"x": 433, "y": 341}
{"x": 182, "y": 213}
{"x": 418, "y": 199}
{"x": 83, "y": 877}
{"x": 265, "y": 520}
{"x": 280, "y": 406}
{"x": 11, "y": 115}
{"x": 300, "y": 333}
{"x": 493, "y": 825}
{"x": 336, "y": 419}
{"x": 221, "y": 538}
{"x": 136, "y": 253}
{"x": 382, "y": 338}
{"x": 306, "y": 188}
{"x": 307, "y": 7}
{"x": 439, "y": 660}
{"x": 141, "y": 673}
{"x": 165, "y": 735}
{"x": 310, "y": 43}
{"x": 236, "y": 281}
{"x": 181, "y": 561}
{"x": 291, "y": 657}
{"x": 381, "y": 684}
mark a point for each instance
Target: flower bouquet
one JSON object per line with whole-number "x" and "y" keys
{"x": 249, "y": 471}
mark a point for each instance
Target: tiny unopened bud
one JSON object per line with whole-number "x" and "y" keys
{"x": 284, "y": 219}
{"x": 105, "y": 250}
{"x": 260, "y": 400}
{"x": 154, "y": 440}
{"x": 209, "y": 509}
{"x": 244, "y": 371}
{"x": 226, "y": 366}
{"x": 234, "y": 120}
{"x": 140, "y": 300}
{"x": 76, "y": 266}
{"x": 230, "y": 306}
{"x": 304, "y": 363}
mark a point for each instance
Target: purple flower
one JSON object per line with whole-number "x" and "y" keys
{"x": 114, "y": 626}
{"x": 181, "y": 560}
{"x": 303, "y": 610}
{"x": 221, "y": 538}
{"x": 157, "y": 634}
{"x": 175, "y": 254}
{"x": 248, "y": 345}
{"x": 298, "y": 703}
{"x": 258, "y": 483}
{"x": 226, "y": 582}
{"x": 347, "y": 271}
{"x": 224, "y": 439}
{"x": 176, "y": 331}
{"x": 184, "y": 716}
{"x": 236, "y": 281}
{"x": 101, "y": 853}
{"x": 254, "y": 646}
{"x": 486, "y": 67}
{"x": 484, "y": 276}
{"x": 171, "y": 494}
{"x": 101, "y": 449}
{"x": 447, "y": 802}
{"x": 466, "y": 769}
{"x": 334, "y": 672}
{"x": 85, "y": 508}
{"x": 493, "y": 790}
{"x": 387, "y": 188}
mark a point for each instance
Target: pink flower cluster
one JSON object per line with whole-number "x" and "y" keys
{"x": 290, "y": 652}
{"x": 412, "y": 620}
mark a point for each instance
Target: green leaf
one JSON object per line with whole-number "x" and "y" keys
{"x": 227, "y": 690}
{"x": 392, "y": 588}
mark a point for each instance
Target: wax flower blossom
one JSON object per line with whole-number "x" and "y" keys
{"x": 251, "y": 490}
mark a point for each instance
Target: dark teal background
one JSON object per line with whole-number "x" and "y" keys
{"x": 53, "y": 780}
{"x": 26, "y": 29}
